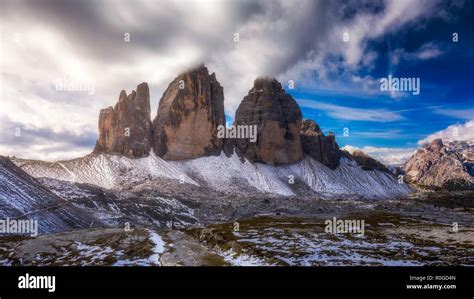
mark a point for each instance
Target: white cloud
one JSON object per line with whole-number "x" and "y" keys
{"x": 385, "y": 134}
{"x": 48, "y": 151}
{"x": 362, "y": 28}
{"x": 457, "y": 132}
{"x": 347, "y": 113}
{"x": 85, "y": 39}
{"x": 427, "y": 51}
{"x": 466, "y": 114}
{"x": 398, "y": 156}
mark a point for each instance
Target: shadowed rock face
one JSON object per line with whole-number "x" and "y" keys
{"x": 278, "y": 119}
{"x": 368, "y": 163}
{"x": 126, "y": 128}
{"x": 447, "y": 165}
{"x": 321, "y": 148}
{"x": 189, "y": 112}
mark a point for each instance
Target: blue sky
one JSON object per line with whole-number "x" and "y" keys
{"x": 447, "y": 87}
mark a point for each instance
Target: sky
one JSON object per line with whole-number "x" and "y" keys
{"x": 63, "y": 61}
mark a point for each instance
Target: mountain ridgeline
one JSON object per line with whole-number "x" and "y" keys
{"x": 447, "y": 165}
{"x": 192, "y": 109}
{"x": 178, "y": 168}
{"x": 269, "y": 148}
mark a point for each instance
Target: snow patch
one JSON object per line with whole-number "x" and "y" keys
{"x": 241, "y": 259}
{"x": 158, "y": 248}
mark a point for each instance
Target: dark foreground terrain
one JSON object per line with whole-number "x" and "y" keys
{"x": 434, "y": 228}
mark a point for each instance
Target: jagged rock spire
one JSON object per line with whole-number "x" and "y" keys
{"x": 321, "y": 148}
{"x": 278, "y": 119}
{"x": 189, "y": 113}
{"x": 126, "y": 128}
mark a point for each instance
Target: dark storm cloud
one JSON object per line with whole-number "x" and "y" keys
{"x": 348, "y": 9}
{"x": 97, "y": 29}
{"x": 80, "y": 22}
{"x": 301, "y": 36}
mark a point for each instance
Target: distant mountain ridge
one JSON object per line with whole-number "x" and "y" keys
{"x": 443, "y": 164}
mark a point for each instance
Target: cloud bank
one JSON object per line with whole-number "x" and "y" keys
{"x": 119, "y": 44}
{"x": 458, "y": 132}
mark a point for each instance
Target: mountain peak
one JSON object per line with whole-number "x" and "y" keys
{"x": 442, "y": 164}
{"x": 277, "y": 117}
{"x": 267, "y": 83}
{"x": 435, "y": 144}
{"x": 126, "y": 128}
{"x": 189, "y": 113}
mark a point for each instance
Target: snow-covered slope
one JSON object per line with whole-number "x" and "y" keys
{"x": 348, "y": 179}
{"x": 223, "y": 173}
{"x": 23, "y": 197}
{"x": 104, "y": 170}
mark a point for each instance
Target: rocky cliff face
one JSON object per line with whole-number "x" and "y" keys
{"x": 322, "y": 148}
{"x": 368, "y": 163}
{"x": 278, "y": 119}
{"x": 126, "y": 128}
{"x": 447, "y": 165}
{"x": 189, "y": 113}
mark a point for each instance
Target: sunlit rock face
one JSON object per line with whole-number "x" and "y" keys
{"x": 126, "y": 128}
{"x": 447, "y": 165}
{"x": 278, "y": 119}
{"x": 189, "y": 113}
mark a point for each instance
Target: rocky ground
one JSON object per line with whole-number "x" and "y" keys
{"x": 427, "y": 229}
